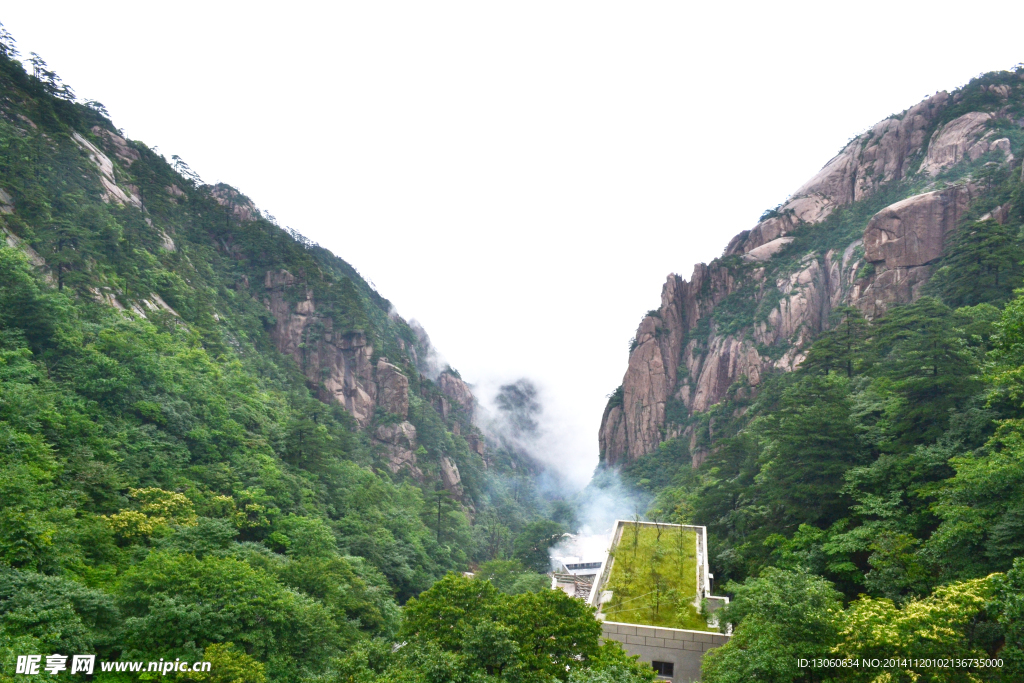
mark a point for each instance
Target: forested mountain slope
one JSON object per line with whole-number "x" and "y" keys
{"x": 213, "y": 431}
{"x": 867, "y": 233}
{"x": 838, "y": 399}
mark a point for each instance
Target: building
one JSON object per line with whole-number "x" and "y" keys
{"x": 655, "y": 561}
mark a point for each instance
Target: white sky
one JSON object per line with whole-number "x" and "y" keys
{"x": 518, "y": 176}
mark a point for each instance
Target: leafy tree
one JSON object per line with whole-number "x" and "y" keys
{"x": 950, "y": 623}
{"x": 533, "y": 542}
{"x": 175, "y": 604}
{"x": 541, "y": 634}
{"x": 509, "y": 576}
{"x": 780, "y": 617}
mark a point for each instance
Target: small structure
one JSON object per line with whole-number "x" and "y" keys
{"x": 654, "y": 596}
{"x": 576, "y": 576}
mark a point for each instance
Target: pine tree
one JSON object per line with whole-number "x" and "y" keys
{"x": 842, "y": 348}
{"x": 982, "y": 265}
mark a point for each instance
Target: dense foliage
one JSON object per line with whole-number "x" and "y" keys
{"x": 170, "y": 484}
{"x": 871, "y": 503}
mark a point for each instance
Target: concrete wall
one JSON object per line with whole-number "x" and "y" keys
{"x": 683, "y": 648}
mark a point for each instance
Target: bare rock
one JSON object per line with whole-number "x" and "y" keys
{"x": 111, "y": 192}
{"x": 6, "y": 203}
{"x": 166, "y": 243}
{"x": 767, "y": 250}
{"x": 457, "y": 390}
{"x": 612, "y": 436}
{"x": 240, "y": 206}
{"x": 912, "y": 232}
{"x": 951, "y": 143}
{"x": 401, "y": 434}
{"x": 399, "y": 442}
{"x": 15, "y": 242}
{"x": 764, "y": 232}
{"x": 727, "y": 360}
{"x": 392, "y": 389}
{"x": 671, "y": 362}
{"x": 122, "y": 150}
{"x": 645, "y": 391}
{"x": 476, "y": 444}
{"x": 337, "y": 364}
{"x": 879, "y": 156}
{"x": 450, "y": 476}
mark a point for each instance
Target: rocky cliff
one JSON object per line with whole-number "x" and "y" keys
{"x": 865, "y": 232}
{"x": 345, "y": 339}
{"x": 343, "y": 367}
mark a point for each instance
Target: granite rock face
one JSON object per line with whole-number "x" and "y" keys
{"x": 457, "y": 390}
{"x": 337, "y": 364}
{"x": 687, "y": 358}
{"x": 902, "y": 241}
{"x": 399, "y": 442}
{"x": 238, "y": 205}
{"x": 392, "y": 389}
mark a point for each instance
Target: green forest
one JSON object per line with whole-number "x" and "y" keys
{"x": 871, "y": 503}
{"x": 173, "y": 485}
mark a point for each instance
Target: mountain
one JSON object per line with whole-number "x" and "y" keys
{"x": 214, "y": 432}
{"x": 868, "y": 231}
{"x": 838, "y": 398}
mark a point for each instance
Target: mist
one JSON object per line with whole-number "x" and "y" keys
{"x": 524, "y": 416}
{"x": 604, "y": 501}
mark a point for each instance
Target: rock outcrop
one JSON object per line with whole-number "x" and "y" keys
{"x": 111, "y": 192}
{"x": 700, "y": 348}
{"x": 392, "y": 389}
{"x": 338, "y": 364}
{"x": 902, "y": 241}
{"x": 238, "y": 205}
{"x": 399, "y": 442}
{"x": 450, "y": 477}
{"x": 457, "y": 390}
{"x": 124, "y": 152}
{"x": 881, "y": 155}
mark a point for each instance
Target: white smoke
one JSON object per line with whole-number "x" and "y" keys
{"x": 598, "y": 506}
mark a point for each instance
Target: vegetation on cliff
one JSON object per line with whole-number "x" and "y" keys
{"x": 184, "y": 468}
{"x": 863, "y": 488}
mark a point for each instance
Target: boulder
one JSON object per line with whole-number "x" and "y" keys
{"x": 951, "y": 143}
{"x": 457, "y": 390}
{"x": 913, "y": 232}
{"x": 767, "y": 250}
{"x": 450, "y": 476}
{"x": 399, "y": 441}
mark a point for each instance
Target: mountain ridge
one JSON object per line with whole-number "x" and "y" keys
{"x": 864, "y": 231}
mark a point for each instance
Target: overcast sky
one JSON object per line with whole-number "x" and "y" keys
{"x": 520, "y": 177}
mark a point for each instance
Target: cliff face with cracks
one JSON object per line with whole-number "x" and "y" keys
{"x": 344, "y": 369}
{"x": 865, "y": 231}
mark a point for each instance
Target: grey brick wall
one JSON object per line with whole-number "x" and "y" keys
{"x": 683, "y": 648}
